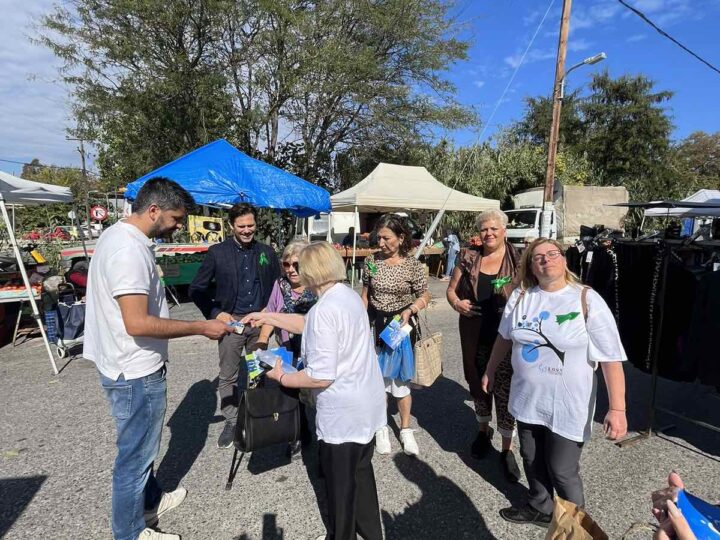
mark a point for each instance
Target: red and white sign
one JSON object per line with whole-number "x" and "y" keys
{"x": 98, "y": 213}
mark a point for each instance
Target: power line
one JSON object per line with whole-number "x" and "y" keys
{"x": 665, "y": 34}
{"x": 40, "y": 165}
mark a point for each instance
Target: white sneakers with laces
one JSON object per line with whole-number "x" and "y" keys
{"x": 168, "y": 501}
{"x": 149, "y": 534}
{"x": 410, "y": 446}
{"x": 382, "y": 440}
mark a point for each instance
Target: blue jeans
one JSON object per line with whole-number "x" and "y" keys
{"x": 450, "y": 266}
{"x": 138, "y": 407}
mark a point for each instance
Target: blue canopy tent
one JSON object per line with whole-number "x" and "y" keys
{"x": 218, "y": 174}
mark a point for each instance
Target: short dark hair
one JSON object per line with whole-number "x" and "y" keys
{"x": 398, "y": 226}
{"x": 164, "y": 193}
{"x": 241, "y": 209}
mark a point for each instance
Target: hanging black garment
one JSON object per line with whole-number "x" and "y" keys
{"x": 638, "y": 270}
{"x": 681, "y": 295}
{"x": 601, "y": 275}
{"x": 702, "y": 348}
{"x": 573, "y": 258}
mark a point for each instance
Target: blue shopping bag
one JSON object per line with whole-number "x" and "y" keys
{"x": 71, "y": 321}
{"x": 398, "y": 363}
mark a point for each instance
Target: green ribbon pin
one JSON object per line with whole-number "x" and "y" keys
{"x": 567, "y": 317}
{"x": 263, "y": 259}
{"x": 372, "y": 267}
{"x": 500, "y": 282}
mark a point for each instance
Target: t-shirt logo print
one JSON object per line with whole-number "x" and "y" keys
{"x": 530, "y": 351}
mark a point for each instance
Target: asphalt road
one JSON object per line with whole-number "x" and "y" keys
{"x": 57, "y": 451}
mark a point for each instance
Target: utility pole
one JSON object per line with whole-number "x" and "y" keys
{"x": 81, "y": 149}
{"x": 555, "y": 126}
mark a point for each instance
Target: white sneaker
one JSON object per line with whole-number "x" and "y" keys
{"x": 382, "y": 441}
{"x": 321, "y": 537}
{"x": 149, "y": 534}
{"x": 168, "y": 501}
{"x": 409, "y": 444}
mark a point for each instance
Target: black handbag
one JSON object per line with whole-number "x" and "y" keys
{"x": 267, "y": 415}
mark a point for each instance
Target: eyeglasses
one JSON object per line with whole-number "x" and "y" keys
{"x": 549, "y": 256}
{"x": 288, "y": 265}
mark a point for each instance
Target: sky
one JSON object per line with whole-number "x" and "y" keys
{"x": 35, "y": 108}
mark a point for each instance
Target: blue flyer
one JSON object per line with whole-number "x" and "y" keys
{"x": 393, "y": 334}
{"x": 703, "y": 517}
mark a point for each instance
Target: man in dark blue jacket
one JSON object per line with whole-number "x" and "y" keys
{"x": 244, "y": 271}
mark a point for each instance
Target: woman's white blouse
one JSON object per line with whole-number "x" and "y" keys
{"x": 337, "y": 345}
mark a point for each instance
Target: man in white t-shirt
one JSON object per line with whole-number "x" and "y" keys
{"x": 127, "y": 328}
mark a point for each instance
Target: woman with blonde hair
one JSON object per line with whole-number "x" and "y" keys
{"x": 342, "y": 370}
{"x": 481, "y": 283}
{"x": 289, "y": 295}
{"x": 559, "y": 331}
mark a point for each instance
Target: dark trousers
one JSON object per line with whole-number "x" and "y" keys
{"x": 552, "y": 464}
{"x": 351, "y": 492}
{"x": 233, "y": 368}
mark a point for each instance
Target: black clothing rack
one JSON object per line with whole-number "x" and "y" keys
{"x": 652, "y": 405}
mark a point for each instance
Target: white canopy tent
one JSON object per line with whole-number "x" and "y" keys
{"x": 401, "y": 187}
{"x": 710, "y": 196}
{"x": 14, "y": 190}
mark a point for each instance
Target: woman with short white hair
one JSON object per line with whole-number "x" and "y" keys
{"x": 342, "y": 370}
{"x": 480, "y": 285}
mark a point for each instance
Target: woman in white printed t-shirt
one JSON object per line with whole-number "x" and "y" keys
{"x": 559, "y": 332}
{"x": 342, "y": 370}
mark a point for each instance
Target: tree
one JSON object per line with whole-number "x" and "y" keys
{"x": 156, "y": 78}
{"x": 699, "y": 157}
{"x": 628, "y": 132}
{"x": 535, "y": 124}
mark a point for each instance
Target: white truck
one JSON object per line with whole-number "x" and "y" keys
{"x": 573, "y": 206}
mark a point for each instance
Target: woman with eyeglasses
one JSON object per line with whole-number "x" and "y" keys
{"x": 289, "y": 295}
{"x": 481, "y": 283}
{"x": 559, "y": 331}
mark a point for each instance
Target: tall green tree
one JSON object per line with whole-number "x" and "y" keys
{"x": 628, "y": 132}
{"x": 280, "y": 78}
{"x": 534, "y": 127}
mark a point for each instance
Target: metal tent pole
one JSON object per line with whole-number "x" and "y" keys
{"x": 356, "y": 220}
{"x": 26, "y": 281}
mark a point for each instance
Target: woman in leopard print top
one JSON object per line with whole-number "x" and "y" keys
{"x": 394, "y": 283}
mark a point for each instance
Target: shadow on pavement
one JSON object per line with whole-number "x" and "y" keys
{"x": 694, "y": 401}
{"x": 454, "y": 432}
{"x": 443, "y": 511}
{"x": 188, "y": 433}
{"x": 15, "y": 496}
{"x": 270, "y": 529}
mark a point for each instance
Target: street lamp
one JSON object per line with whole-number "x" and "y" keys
{"x": 587, "y": 62}
{"x": 558, "y": 95}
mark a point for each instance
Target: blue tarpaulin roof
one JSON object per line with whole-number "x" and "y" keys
{"x": 218, "y": 174}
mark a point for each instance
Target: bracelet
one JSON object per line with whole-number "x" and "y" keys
{"x": 619, "y": 410}
{"x": 280, "y": 379}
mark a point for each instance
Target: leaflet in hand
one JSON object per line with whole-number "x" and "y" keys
{"x": 259, "y": 362}
{"x": 394, "y": 333}
{"x": 703, "y": 517}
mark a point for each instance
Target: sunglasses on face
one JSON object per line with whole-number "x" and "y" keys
{"x": 549, "y": 256}
{"x": 288, "y": 265}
